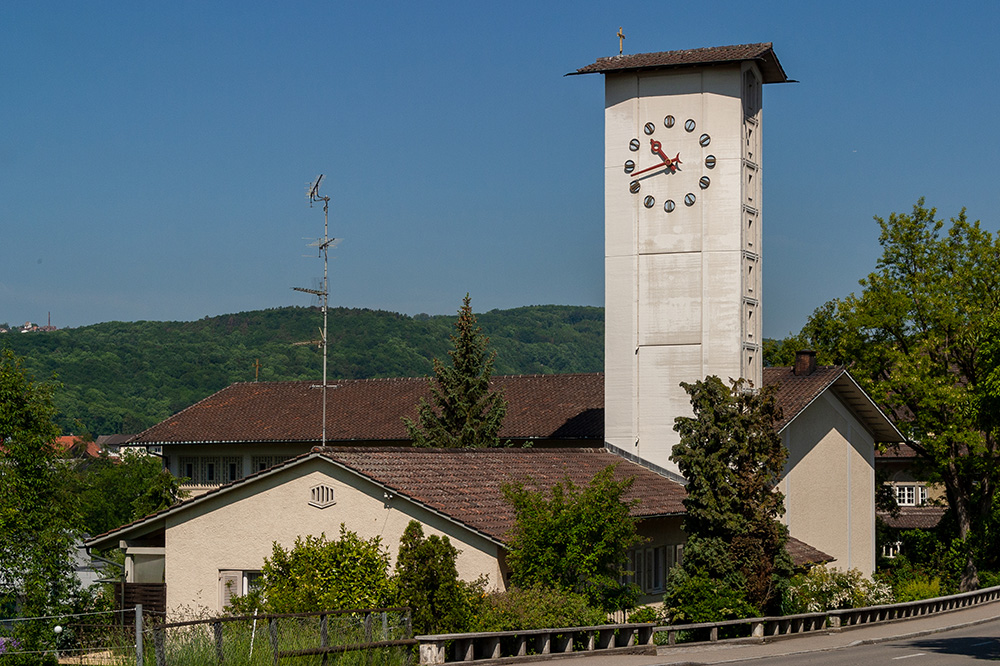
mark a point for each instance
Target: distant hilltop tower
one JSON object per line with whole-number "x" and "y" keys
{"x": 682, "y": 216}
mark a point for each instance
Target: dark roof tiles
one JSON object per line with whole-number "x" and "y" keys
{"x": 763, "y": 53}
{"x": 539, "y": 406}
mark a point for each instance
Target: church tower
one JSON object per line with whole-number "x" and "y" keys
{"x": 682, "y": 215}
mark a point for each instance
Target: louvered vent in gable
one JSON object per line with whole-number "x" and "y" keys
{"x": 321, "y": 496}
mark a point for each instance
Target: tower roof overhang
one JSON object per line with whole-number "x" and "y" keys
{"x": 762, "y": 54}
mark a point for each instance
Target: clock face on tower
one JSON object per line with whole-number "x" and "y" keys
{"x": 663, "y": 182}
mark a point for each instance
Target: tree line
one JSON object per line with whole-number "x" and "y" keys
{"x": 123, "y": 377}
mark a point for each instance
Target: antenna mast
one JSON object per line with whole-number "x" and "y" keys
{"x": 324, "y": 244}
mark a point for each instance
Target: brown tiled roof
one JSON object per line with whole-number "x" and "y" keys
{"x": 796, "y": 392}
{"x": 763, "y": 53}
{"x": 914, "y": 517}
{"x": 539, "y": 406}
{"x": 465, "y": 484}
{"x": 803, "y": 554}
{"x": 566, "y": 407}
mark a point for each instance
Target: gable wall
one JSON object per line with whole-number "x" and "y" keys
{"x": 829, "y": 483}
{"x": 235, "y": 530}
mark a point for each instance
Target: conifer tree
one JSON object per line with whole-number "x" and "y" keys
{"x": 732, "y": 458}
{"x": 464, "y": 412}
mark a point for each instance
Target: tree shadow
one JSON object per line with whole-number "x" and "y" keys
{"x": 978, "y": 647}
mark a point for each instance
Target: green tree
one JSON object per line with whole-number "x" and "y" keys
{"x": 574, "y": 539}
{"x": 921, "y": 338}
{"x": 427, "y": 582}
{"x": 318, "y": 574}
{"x": 38, "y": 522}
{"x": 115, "y": 491}
{"x": 732, "y": 458}
{"x": 464, "y": 412}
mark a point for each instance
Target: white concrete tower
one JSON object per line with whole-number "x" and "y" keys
{"x": 682, "y": 215}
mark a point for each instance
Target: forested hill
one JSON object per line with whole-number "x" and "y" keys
{"x": 124, "y": 377}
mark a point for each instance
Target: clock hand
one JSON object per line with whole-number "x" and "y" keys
{"x": 667, "y": 164}
{"x": 657, "y": 149}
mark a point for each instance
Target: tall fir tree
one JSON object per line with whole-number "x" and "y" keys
{"x": 464, "y": 412}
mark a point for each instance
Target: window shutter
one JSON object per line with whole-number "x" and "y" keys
{"x": 230, "y": 585}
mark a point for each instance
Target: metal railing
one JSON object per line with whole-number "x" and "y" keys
{"x": 643, "y": 637}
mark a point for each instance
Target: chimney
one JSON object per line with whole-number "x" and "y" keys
{"x": 805, "y": 363}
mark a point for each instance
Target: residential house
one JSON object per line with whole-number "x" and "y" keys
{"x": 250, "y": 451}
{"x": 212, "y": 546}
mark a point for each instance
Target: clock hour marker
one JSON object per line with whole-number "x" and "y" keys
{"x": 649, "y": 201}
{"x": 633, "y": 145}
{"x": 704, "y": 140}
{"x": 704, "y": 182}
{"x": 668, "y": 122}
{"x": 649, "y": 128}
{"x": 689, "y": 199}
{"x": 669, "y": 205}
{"x": 634, "y": 186}
{"x": 689, "y": 125}
{"x": 629, "y": 166}
{"x": 710, "y": 161}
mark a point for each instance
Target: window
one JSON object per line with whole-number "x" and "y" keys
{"x": 891, "y": 550}
{"x": 911, "y": 495}
{"x": 232, "y": 469}
{"x": 649, "y": 567}
{"x": 189, "y": 469}
{"x": 234, "y": 583}
{"x": 260, "y": 463}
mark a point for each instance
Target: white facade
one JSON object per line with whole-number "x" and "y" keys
{"x": 682, "y": 244}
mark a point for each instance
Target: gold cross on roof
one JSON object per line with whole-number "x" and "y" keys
{"x": 621, "y": 40}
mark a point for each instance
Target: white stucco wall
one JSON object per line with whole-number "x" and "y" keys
{"x": 235, "y": 530}
{"x": 829, "y": 483}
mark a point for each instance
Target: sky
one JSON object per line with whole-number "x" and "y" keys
{"x": 155, "y": 157}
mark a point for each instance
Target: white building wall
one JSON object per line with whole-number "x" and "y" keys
{"x": 680, "y": 300}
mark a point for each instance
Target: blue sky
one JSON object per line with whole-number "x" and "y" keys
{"x": 154, "y": 158}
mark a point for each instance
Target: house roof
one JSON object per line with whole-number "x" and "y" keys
{"x": 762, "y": 53}
{"x": 797, "y": 392}
{"x": 914, "y": 517}
{"x": 569, "y": 406}
{"x": 565, "y": 407}
{"x": 463, "y": 485}
{"x": 803, "y": 554}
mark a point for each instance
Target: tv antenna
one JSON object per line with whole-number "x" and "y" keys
{"x": 323, "y": 245}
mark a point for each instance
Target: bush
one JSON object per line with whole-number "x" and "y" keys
{"x": 534, "y": 608}
{"x": 318, "y": 574}
{"x": 824, "y": 588}
{"x": 917, "y": 589}
{"x": 645, "y": 614}
{"x": 700, "y": 598}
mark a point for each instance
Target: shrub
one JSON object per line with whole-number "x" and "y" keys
{"x": 824, "y": 588}
{"x": 427, "y": 581}
{"x": 918, "y": 588}
{"x": 318, "y": 574}
{"x": 700, "y": 598}
{"x": 645, "y": 614}
{"x": 534, "y": 608}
